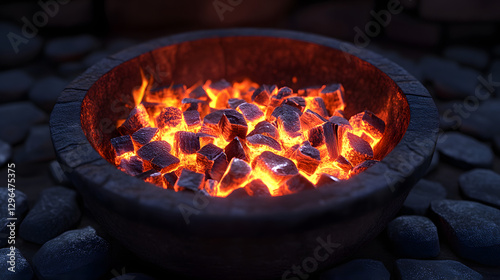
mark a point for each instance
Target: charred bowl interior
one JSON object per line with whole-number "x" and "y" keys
{"x": 253, "y": 237}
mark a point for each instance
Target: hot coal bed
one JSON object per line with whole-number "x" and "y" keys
{"x": 390, "y": 114}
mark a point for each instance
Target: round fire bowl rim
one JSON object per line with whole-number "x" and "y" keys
{"x": 93, "y": 175}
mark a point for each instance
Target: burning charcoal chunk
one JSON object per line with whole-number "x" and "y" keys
{"x": 295, "y": 184}
{"x": 277, "y": 167}
{"x": 137, "y": 119}
{"x": 165, "y": 163}
{"x": 145, "y": 135}
{"x": 132, "y": 166}
{"x": 257, "y": 188}
{"x": 76, "y": 252}
{"x": 364, "y": 269}
{"x": 296, "y": 101}
{"x": 213, "y": 118}
{"x": 205, "y": 138}
{"x": 192, "y": 119}
{"x": 186, "y": 142}
{"x": 284, "y": 92}
{"x": 414, "y": 237}
{"x": 250, "y": 112}
{"x": 144, "y": 175}
{"x": 369, "y": 123}
{"x": 232, "y": 124}
{"x": 210, "y": 187}
{"x": 259, "y": 140}
{"x": 308, "y": 158}
{"x": 309, "y": 91}
{"x": 284, "y": 109}
{"x": 343, "y": 163}
{"x": 211, "y": 160}
{"x": 190, "y": 180}
{"x": 310, "y": 119}
{"x": 55, "y": 212}
{"x": 434, "y": 269}
{"x": 290, "y": 152}
{"x": 331, "y": 140}
{"x": 261, "y": 96}
{"x": 169, "y": 117}
{"x": 339, "y": 113}
{"x": 339, "y": 121}
{"x": 318, "y": 106}
{"x": 362, "y": 167}
{"x": 289, "y": 123}
{"x": 238, "y": 193}
{"x": 236, "y": 174}
{"x": 122, "y": 144}
{"x": 471, "y": 229}
{"x": 266, "y": 129}
{"x": 172, "y": 94}
{"x": 333, "y": 95}
{"x": 199, "y": 93}
{"x": 326, "y": 180}
{"x": 220, "y": 85}
{"x": 22, "y": 269}
{"x": 237, "y": 149}
{"x": 203, "y": 107}
{"x": 316, "y": 136}
{"x": 235, "y": 102}
{"x": 155, "y": 179}
{"x": 169, "y": 180}
{"x": 153, "y": 149}
{"x": 355, "y": 149}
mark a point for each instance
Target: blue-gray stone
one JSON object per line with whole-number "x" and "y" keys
{"x": 21, "y": 201}
{"x": 17, "y": 118}
{"x": 434, "y": 162}
{"x": 471, "y": 228}
{"x": 37, "y": 147}
{"x": 5, "y": 152}
{"x": 133, "y": 276}
{"x": 4, "y": 232}
{"x": 55, "y": 212}
{"x": 20, "y": 271}
{"x": 14, "y": 84}
{"x": 15, "y": 48}
{"x": 420, "y": 197}
{"x": 76, "y": 254}
{"x": 408, "y": 269}
{"x": 414, "y": 237}
{"x": 474, "y": 57}
{"x": 70, "y": 48}
{"x": 496, "y": 143}
{"x": 45, "y": 92}
{"x": 464, "y": 151}
{"x": 482, "y": 121}
{"x": 360, "y": 269}
{"x": 482, "y": 185}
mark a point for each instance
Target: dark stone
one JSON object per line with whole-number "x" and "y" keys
{"x": 464, "y": 151}
{"x": 414, "y": 237}
{"x": 70, "y": 48}
{"x": 55, "y": 212}
{"x": 14, "y": 84}
{"x": 295, "y": 184}
{"x": 145, "y": 135}
{"x": 122, "y": 144}
{"x": 190, "y": 180}
{"x": 236, "y": 148}
{"x": 237, "y": 173}
{"x": 471, "y": 228}
{"x": 474, "y": 57}
{"x": 76, "y": 254}
{"x": 58, "y": 174}
{"x": 5, "y": 152}
{"x": 21, "y": 200}
{"x": 25, "y": 51}
{"x": 257, "y": 188}
{"x": 133, "y": 276}
{"x": 420, "y": 197}
{"x": 277, "y": 167}
{"x": 434, "y": 162}
{"x": 186, "y": 142}
{"x": 496, "y": 144}
{"x": 408, "y": 269}
{"x": 94, "y": 57}
{"x": 265, "y": 128}
{"x": 16, "y": 120}
{"x": 70, "y": 70}
{"x": 23, "y": 270}
{"x": 37, "y": 147}
{"x": 481, "y": 123}
{"x": 45, "y": 92}
{"x": 4, "y": 231}
{"x": 359, "y": 269}
{"x": 481, "y": 185}
{"x": 259, "y": 140}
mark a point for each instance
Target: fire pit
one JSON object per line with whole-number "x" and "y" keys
{"x": 241, "y": 236}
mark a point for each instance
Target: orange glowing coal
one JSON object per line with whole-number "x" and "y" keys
{"x": 244, "y": 139}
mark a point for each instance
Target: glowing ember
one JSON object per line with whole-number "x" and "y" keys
{"x": 260, "y": 140}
